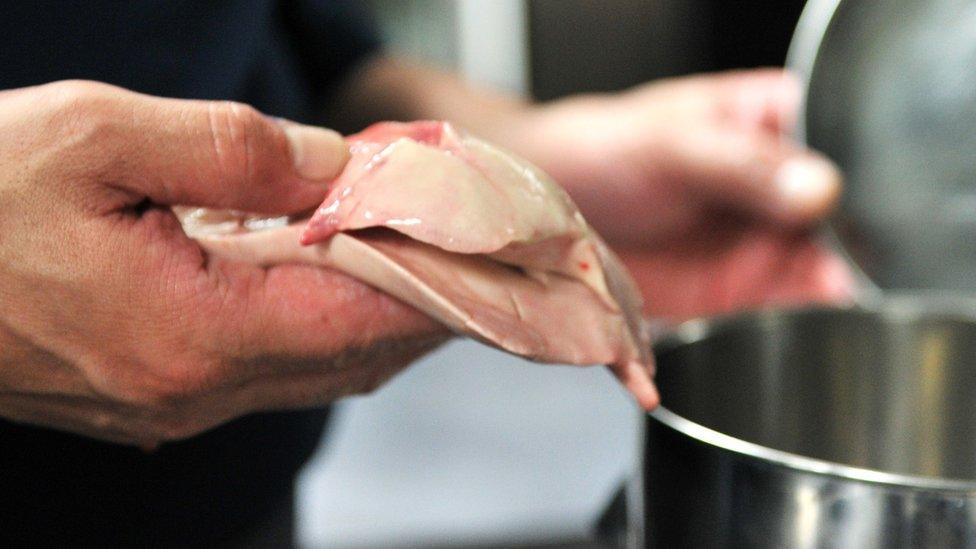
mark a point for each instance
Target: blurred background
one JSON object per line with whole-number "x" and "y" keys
{"x": 472, "y": 447}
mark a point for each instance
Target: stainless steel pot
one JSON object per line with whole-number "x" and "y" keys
{"x": 831, "y": 427}
{"x": 817, "y": 428}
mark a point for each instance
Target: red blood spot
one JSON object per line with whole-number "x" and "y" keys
{"x": 584, "y": 265}
{"x": 427, "y": 131}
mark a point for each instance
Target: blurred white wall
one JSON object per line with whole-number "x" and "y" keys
{"x": 492, "y": 43}
{"x": 424, "y": 29}
{"x": 470, "y": 445}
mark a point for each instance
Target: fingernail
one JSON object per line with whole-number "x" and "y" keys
{"x": 317, "y": 153}
{"x": 807, "y": 184}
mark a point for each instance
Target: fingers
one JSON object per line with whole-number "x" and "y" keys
{"x": 364, "y": 373}
{"x": 711, "y": 274}
{"x": 814, "y": 274}
{"x": 764, "y": 99}
{"x": 757, "y": 174}
{"x": 191, "y": 414}
{"x": 732, "y": 153}
{"x": 635, "y": 377}
{"x": 227, "y": 155}
{"x": 296, "y": 314}
{"x": 216, "y": 154}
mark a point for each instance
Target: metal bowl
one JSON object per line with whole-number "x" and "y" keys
{"x": 820, "y": 427}
{"x": 891, "y": 97}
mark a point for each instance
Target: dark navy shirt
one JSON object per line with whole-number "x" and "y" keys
{"x": 284, "y": 57}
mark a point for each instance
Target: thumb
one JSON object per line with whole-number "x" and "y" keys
{"x": 219, "y": 154}
{"x": 758, "y": 174}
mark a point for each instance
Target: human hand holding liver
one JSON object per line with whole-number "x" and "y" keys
{"x": 115, "y": 324}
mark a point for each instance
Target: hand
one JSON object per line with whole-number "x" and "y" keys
{"x": 693, "y": 184}
{"x": 115, "y": 325}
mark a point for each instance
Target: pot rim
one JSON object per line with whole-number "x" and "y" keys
{"x": 901, "y": 307}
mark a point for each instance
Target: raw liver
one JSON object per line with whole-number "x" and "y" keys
{"x": 464, "y": 231}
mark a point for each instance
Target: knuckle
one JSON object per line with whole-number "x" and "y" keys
{"x": 79, "y": 89}
{"x": 172, "y": 383}
{"x": 67, "y": 91}
{"x": 233, "y": 130}
{"x": 163, "y": 399}
{"x": 82, "y": 116}
{"x": 80, "y": 99}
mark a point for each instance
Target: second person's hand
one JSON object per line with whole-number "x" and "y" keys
{"x": 695, "y": 185}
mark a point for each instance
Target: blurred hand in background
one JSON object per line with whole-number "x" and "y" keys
{"x": 694, "y": 184}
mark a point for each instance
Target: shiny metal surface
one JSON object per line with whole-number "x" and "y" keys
{"x": 892, "y": 98}
{"x": 836, "y": 428}
{"x": 817, "y": 428}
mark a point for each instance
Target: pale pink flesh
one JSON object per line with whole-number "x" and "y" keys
{"x": 458, "y": 193}
{"x": 468, "y": 234}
